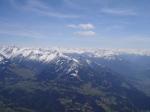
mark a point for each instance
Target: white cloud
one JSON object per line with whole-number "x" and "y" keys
{"x": 72, "y": 26}
{"x": 120, "y": 12}
{"x": 21, "y": 30}
{"x": 85, "y": 30}
{"x": 54, "y": 14}
{"x": 39, "y": 7}
{"x": 87, "y": 26}
{"x": 85, "y": 33}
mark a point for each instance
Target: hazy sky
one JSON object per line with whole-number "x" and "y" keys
{"x": 75, "y": 23}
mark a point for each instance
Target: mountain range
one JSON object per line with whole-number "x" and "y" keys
{"x": 74, "y": 80}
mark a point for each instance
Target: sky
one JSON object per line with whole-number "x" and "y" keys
{"x": 75, "y": 23}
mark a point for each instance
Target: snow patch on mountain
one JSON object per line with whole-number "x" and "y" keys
{"x": 74, "y": 74}
{"x": 1, "y": 58}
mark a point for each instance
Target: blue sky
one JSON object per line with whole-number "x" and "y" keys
{"x": 75, "y": 23}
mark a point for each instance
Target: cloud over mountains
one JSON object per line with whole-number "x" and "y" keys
{"x": 86, "y": 30}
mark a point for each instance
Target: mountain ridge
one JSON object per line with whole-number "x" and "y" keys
{"x": 49, "y": 54}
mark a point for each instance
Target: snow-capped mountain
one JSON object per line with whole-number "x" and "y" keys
{"x": 127, "y": 62}
{"x": 46, "y": 55}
